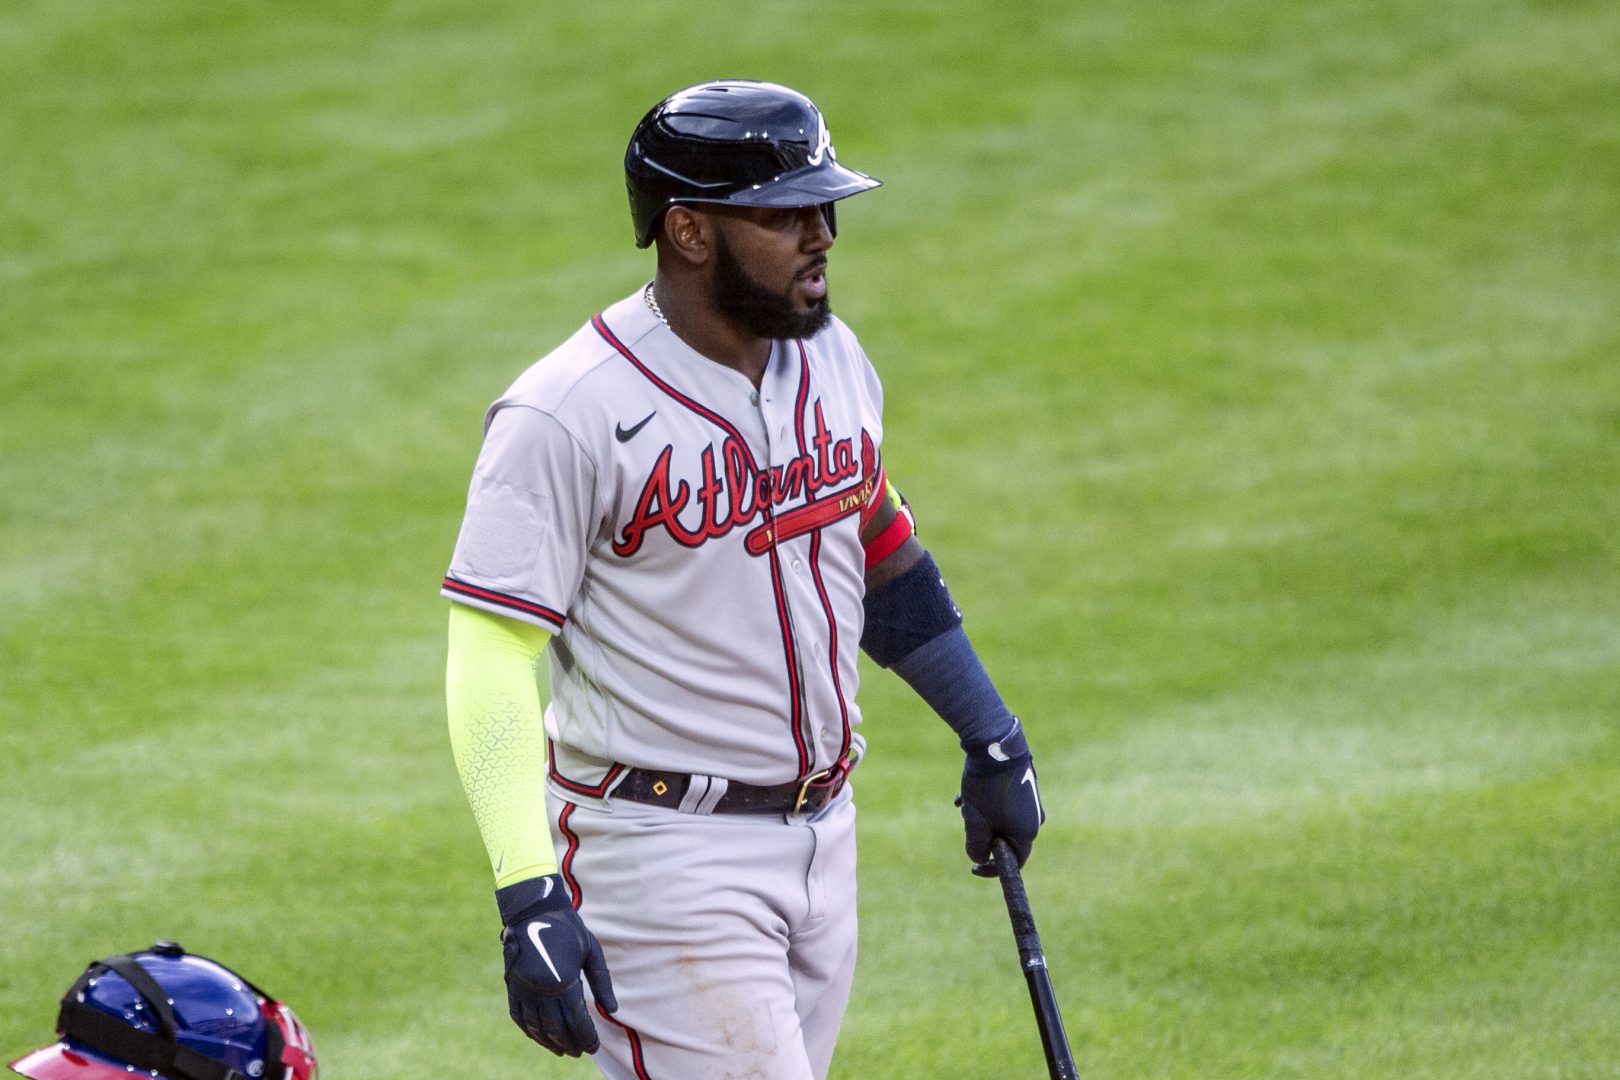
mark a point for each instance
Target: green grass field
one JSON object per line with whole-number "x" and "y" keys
{"x": 1251, "y": 364}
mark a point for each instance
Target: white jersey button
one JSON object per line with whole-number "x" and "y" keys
{"x": 753, "y": 398}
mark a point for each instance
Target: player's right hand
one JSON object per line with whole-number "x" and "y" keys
{"x": 547, "y": 949}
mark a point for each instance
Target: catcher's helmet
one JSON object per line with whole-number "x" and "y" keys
{"x": 165, "y": 1013}
{"x": 736, "y": 141}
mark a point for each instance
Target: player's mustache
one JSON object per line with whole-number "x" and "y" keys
{"x": 817, "y": 264}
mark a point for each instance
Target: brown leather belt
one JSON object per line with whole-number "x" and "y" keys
{"x": 805, "y": 796}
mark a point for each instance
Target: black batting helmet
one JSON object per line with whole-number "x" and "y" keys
{"x": 735, "y": 141}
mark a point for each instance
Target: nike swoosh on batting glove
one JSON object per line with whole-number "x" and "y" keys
{"x": 547, "y": 948}
{"x": 1000, "y": 797}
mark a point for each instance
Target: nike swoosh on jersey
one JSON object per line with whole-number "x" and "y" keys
{"x": 624, "y": 434}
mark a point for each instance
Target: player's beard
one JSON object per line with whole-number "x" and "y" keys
{"x": 755, "y": 308}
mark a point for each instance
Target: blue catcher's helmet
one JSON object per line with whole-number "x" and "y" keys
{"x": 167, "y": 1014}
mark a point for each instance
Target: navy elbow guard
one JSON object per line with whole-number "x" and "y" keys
{"x": 914, "y": 628}
{"x": 907, "y": 613}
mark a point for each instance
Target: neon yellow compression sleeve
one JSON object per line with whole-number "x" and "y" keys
{"x": 495, "y": 686}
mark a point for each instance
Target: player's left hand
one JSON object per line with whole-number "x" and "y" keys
{"x": 999, "y": 797}
{"x": 548, "y": 948}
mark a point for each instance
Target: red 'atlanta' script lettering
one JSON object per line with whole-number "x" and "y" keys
{"x": 734, "y": 491}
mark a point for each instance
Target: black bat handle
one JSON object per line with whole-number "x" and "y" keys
{"x": 1059, "y": 1059}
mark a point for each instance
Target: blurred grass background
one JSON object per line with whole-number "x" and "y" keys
{"x": 1251, "y": 366}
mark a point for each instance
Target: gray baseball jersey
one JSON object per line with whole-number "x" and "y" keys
{"x": 693, "y": 543}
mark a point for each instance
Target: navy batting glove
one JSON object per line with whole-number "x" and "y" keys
{"x": 999, "y": 797}
{"x": 547, "y": 948}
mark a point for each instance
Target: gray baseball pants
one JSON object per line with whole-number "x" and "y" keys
{"x": 730, "y": 937}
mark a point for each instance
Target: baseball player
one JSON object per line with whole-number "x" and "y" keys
{"x": 678, "y": 533}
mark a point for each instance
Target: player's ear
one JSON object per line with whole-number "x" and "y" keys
{"x": 688, "y": 233}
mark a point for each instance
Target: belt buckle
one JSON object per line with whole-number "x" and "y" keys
{"x": 830, "y": 779}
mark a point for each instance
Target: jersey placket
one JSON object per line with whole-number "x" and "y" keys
{"x": 774, "y": 409}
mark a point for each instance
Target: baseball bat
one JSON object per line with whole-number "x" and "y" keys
{"x": 1059, "y": 1059}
